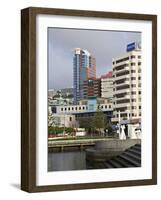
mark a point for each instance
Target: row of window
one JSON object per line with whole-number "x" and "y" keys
{"x": 126, "y": 72}
{"x": 134, "y": 64}
{"x": 84, "y": 108}
{"x": 126, "y": 58}
{"x": 126, "y": 87}
{"x": 125, "y": 79}
{"x": 125, "y": 115}
{"x": 135, "y": 56}
{"x": 125, "y": 101}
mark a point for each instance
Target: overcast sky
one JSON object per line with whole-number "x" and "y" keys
{"x": 103, "y": 45}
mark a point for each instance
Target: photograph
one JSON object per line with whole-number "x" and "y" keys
{"x": 94, "y": 99}
{"x": 89, "y": 99}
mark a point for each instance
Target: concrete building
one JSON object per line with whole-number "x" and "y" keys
{"x": 92, "y": 87}
{"x": 86, "y": 108}
{"x": 84, "y": 68}
{"x": 127, "y": 85}
{"x": 90, "y": 106}
{"x": 107, "y": 86}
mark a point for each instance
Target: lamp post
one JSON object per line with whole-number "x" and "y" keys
{"x": 119, "y": 124}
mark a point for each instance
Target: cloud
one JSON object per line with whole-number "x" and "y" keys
{"x": 104, "y": 45}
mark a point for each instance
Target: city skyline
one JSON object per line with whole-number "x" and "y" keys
{"x": 61, "y": 45}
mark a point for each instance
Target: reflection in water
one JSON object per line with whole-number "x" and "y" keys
{"x": 67, "y": 161}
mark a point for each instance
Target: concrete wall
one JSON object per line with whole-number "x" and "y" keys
{"x": 116, "y": 144}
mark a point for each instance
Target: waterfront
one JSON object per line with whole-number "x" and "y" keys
{"x": 107, "y": 153}
{"x": 64, "y": 161}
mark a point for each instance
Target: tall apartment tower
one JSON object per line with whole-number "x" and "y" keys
{"x": 84, "y": 68}
{"x": 127, "y": 85}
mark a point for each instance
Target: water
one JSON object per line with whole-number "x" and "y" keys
{"x": 64, "y": 161}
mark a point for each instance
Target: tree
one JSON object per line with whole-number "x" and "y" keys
{"x": 87, "y": 123}
{"x": 99, "y": 120}
{"x": 51, "y": 120}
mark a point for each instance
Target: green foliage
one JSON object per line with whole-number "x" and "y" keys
{"x": 57, "y": 130}
{"x": 99, "y": 119}
{"x": 51, "y": 120}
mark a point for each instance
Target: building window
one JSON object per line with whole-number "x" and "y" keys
{"x": 120, "y": 67}
{"x": 69, "y": 108}
{"x": 122, "y": 73}
{"x": 139, "y": 78}
{"x": 102, "y": 107}
{"x": 132, "y": 56}
{"x": 133, "y": 92}
{"x": 79, "y": 108}
{"x": 70, "y": 119}
{"x": 139, "y": 56}
{"x": 133, "y": 78}
{"x": 139, "y": 85}
{"x": 123, "y": 101}
{"x": 133, "y": 85}
{"x": 139, "y": 107}
{"x": 139, "y": 63}
{"x": 139, "y": 70}
{"x": 61, "y": 109}
{"x": 133, "y": 100}
{"x": 106, "y": 106}
{"x": 123, "y": 115}
{"x": 122, "y": 109}
{"x": 122, "y": 87}
{"x": 122, "y": 80}
{"x": 83, "y": 108}
{"x": 121, "y": 60}
{"x": 72, "y": 108}
{"x": 133, "y": 71}
{"x": 139, "y": 92}
{"x": 133, "y": 107}
{"x": 75, "y": 108}
{"x": 132, "y": 64}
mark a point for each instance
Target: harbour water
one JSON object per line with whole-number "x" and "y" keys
{"x": 66, "y": 161}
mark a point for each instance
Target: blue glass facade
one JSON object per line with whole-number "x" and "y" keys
{"x": 82, "y": 62}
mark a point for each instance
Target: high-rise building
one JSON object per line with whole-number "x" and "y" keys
{"x": 127, "y": 85}
{"x": 84, "y": 68}
{"x": 107, "y": 86}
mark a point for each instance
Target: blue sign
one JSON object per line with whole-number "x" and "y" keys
{"x": 131, "y": 46}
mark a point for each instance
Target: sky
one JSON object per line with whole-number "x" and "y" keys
{"x": 103, "y": 45}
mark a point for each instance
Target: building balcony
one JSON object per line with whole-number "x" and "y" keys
{"x": 121, "y": 91}
{"x": 121, "y": 77}
{"x": 121, "y": 63}
{"x": 121, "y": 98}
{"x": 122, "y": 70}
{"x": 122, "y": 84}
{"x": 122, "y": 105}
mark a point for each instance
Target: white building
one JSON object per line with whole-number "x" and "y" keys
{"x": 78, "y": 109}
{"x": 127, "y": 86}
{"x": 62, "y": 119}
{"x": 107, "y": 87}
